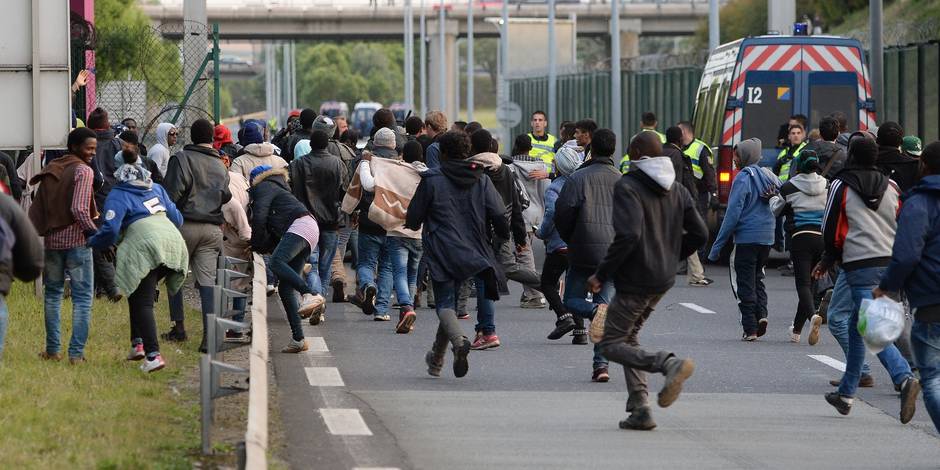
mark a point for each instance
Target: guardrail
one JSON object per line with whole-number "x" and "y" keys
{"x": 256, "y": 436}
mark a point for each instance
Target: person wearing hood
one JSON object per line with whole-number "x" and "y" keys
{"x": 348, "y": 154}
{"x": 915, "y": 270}
{"x": 131, "y": 143}
{"x": 831, "y": 156}
{"x": 167, "y": 134}
{"x": 903, "y": 169}
{"x": 307, "y": 117}
{"x": 531, "y": 175}
{"x": 142, "y": 220}
{"x": 859, "y": 226}
{"x": 567, "y": 160}
{"x": 197, "y": 182}
{"x": 223, "y": 143}
{"x": 256, "y": 152}
{"x": 656, "y": 224}
{"x": 318, "y": 180}
{"x": 583, "y": 220}
{"x": 104, "y": 166}
{"x": 751, "y": 224}
{"x": 457, "y": 207}
{"x": 282, "y": 227}
{"x": 802, "y": 199}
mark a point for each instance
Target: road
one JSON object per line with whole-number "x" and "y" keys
{"x": 361, "y": 398}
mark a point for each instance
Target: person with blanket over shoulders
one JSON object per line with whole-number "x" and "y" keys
{"x": 457, "y": 207}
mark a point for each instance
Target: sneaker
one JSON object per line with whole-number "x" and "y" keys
{"x": 748, "y": 337}
{"x": 294, "y": 347}
{"x": 839, "y": 403}
{"x": 77, "y": 360}
{"x": 703, "y": 283}
{"x": 406, "y": 321}
{"x": 153, "y": 365}
{"x": 485, "y": 342}
{"x": 435, "y": 363}
{"x": 50, "y": 357}
{"x": 310, "y": 303}
{"x": 137, "y": 352}
{"x": 641, "y": 419}
{"x": 909, "y": 391}
{"x": 339, "y": 288}
{"x": 382, "y": 317}
{"x": 579, "y": 337}
{"x": 463, "y": 316}
{"x": 114, "y": 295}
{"x": 814, "y": 322}
{"x": 597, "y": 323}
{"x": 600, "y": 375}
{"x": 536, "y": 302}
{"x": 865, "y": 381}
{"x": 564, "y": 324}
{"x": 461, "y": 364}
{"x": 175, "y": 334}
{"x": 271, "y": 290}
{"x": 762, "y": 327}
{"x": 319, "y": 314}
{"x": 794, "y": 337}
{"x": 677, "y": 372}
{"x": 368, "y": 300}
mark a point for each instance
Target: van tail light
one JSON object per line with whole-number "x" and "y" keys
{"x": 725, "y": 172}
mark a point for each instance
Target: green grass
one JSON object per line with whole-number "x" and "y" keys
{"x": 104, "y": 413}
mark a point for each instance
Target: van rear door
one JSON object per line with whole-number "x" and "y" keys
{"x": 836, "y": 80}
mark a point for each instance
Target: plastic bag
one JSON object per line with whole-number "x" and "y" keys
{"x": 880, "y": 322}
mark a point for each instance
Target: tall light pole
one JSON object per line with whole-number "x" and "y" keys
{"x": 423, "y": 63}
{"x": 875, "y": 23}
{"x": 552, "y": 76}
{"x": 713, "y": 25}
{"x": 442, "y": 58}
{"x": 409, "y": 57}
{"x": 469, "y": 60}
{"x": 503, "y": 90}
{"x": 616, "y": 115}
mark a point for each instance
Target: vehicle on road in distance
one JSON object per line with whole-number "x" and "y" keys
{"x": 334, "y": 108}
{"x": 750, "y": 87}
{"x": 361, "y": 118}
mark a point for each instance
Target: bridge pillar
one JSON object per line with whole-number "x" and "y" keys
{"x": 629, "y": 38}
{"x": 449, "y": 80}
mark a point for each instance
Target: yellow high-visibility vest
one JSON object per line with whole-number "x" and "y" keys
{"x": 625, "y": 161}
{"x": 694, "y": 151}
{"x": 785, "y": 168}
{"x": 543, "y": 149}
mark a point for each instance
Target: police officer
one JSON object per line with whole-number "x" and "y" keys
{"x": 648, "y": 123}
{"x": 700, "y": 154}
{"x": 543, "y": 143}
{"x": 796, "y": 139}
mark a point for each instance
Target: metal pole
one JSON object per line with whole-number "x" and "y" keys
{"x": 552, "y": 73}
{"x": 423, "y": 63}
{"x": 442, "y": 59}
{"x": 409, "y": 57}
{"x": 875, "y": 19}
{"x": 503, "y": 90}
{"x": 293, "y": 74}
{"x": 216, "y": 75}
{"x": 616, "y": 115}
{"x": 713, "y": 25}
{"x": 457, "y": 80}
{"x": 470, "y": 64}
{"x": 268, "y": 101}
{"x": 285, "y": 80}
{"x": 36, "y": 34}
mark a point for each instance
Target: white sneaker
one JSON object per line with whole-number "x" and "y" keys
{"x": 137, "y": 352}
{"x": 153, "y": 365}
{"x": 794, "y": 337}
{"x": 309, "y": 304}
{"x": 271, "y": 290}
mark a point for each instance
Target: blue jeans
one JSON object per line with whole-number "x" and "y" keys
{"x": 486, "y": 310}
{"x": 862, "y": 281}
{"x": 925, "y": 342}
{"x": 393, "y": 273}
{"x": 287, "y": 262}
{"x": 4, "y": 320}
{"x": 370, "y": 251}
{"x": 319, "y": 276}
{"x": 79, "y": 265}
{"x": 837, "y": 317}
{"x": 575, "y": 295}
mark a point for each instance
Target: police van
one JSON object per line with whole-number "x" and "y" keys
{"x": 750, "y": 87}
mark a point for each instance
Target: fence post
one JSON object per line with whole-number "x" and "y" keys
{"x": 216, "y": 75}
{"x": 921, "y": 91}
{"x": 902, "y": 98}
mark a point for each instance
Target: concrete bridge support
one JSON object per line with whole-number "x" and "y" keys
{"x": 449, "y": 79}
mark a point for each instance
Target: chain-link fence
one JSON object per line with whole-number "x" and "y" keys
{"x": 144, "y": 73}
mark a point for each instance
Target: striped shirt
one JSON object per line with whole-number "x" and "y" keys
{"x": 74, "y": 235}
{"x": 306, "y": 228}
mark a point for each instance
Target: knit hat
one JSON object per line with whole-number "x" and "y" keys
{"x": 807, "y": 162}
{"x": 252, "y": 134}
{"x": 567, "y": 160}
{"x": 222, "y": 136}
{"x": 257, "y": 171}
{"x": 325, "y": 124}
{"x": 385, "y": 137}
{"x": 749, "y": 151}
{"x": 912, "y": 145}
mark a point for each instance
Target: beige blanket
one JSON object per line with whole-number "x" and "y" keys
{"x": 395, "y": 185}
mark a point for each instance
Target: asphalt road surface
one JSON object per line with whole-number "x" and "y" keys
{"x": 361, "y": 397}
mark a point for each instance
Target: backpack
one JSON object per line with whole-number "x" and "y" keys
{"x": 519, "y": 187}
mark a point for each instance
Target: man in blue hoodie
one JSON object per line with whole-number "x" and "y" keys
{"x": 915, "y": 269}
{"x": 751, "y": 222}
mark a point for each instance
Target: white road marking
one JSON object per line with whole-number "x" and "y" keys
{"x": 375, "y": 468}
{"x": 324, "y": 377}
{"x": 835, "y": 364}
{"x": 317, "y": 344}
{"x": 345, "y": 422}
{"x": 697, "y": 308}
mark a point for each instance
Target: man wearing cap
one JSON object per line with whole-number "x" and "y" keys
{"x": 911, "y": 145}
{"x": 307, "y": 117}
{"x": 903, "y": 169}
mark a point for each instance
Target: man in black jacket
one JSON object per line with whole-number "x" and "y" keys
{"x": 306, "y": 128}
{"x": 103, "y": 165}
{"x": 319, "y": 181}
{"x": 583, "y": 220}
{"x": 903, "y": 169}
{"x": 26, "y": 254}
{"x": 656, "y": 225}
{"x": 197, "y": 181}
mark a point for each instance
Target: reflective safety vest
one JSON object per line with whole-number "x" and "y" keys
{"x": 785, "y": 167}
{"x": 625, "y": 161}
{"x": 543, "y": 149}
{"x": 694, "y": 151}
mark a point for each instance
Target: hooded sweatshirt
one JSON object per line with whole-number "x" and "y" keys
{"x": 748, "y": 217}
{"x": 257, "y": 155}
{"x": 902, "y": 169}
{"x": 915, "y": 259}
{"x": 656, "y": 224}
{"x": 828, "y": 151}
{"x": 567, "y": 160}
{"x": 160, "y": 152}
{"x": 501, "y": 174}
{"x": 803, "y": 200}
{"x": 535, "y": 188}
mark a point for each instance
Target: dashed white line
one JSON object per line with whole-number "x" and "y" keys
{"x": 316, "y": 344}
{"x": 696, "y": 308}
{"x": 835, "y": 364}
{"x": 345, "y": 422}
{"x": 324, "y": 377}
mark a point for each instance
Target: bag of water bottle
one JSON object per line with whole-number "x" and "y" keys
{"x": 880, "y": 322}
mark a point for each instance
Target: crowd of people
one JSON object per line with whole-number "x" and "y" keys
{"x": 433, "y": 210}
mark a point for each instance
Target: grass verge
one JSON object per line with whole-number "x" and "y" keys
{"x": 104, "y": 413}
